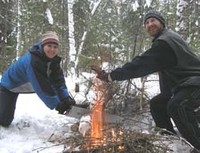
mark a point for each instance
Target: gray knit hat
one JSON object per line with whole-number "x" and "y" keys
{"x": 154, "y": 14}
{"x": 50, "y": 37}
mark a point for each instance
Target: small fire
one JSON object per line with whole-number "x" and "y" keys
{"x": 101, "y": 134}
{"x": 97, "y": 124}
{"x": 117, "y": 137}
{"x": 97, "y": 116}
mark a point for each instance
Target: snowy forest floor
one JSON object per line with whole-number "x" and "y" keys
{"x": 36, "y": 129}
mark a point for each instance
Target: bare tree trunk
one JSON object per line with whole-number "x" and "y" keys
{"x": 183, "y": 13}
{"x": 18, "y": 31}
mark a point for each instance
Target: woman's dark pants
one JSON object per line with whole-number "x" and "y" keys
{"x": 7, "y": 106}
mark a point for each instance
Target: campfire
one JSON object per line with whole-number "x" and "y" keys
{"x": 108, "y": 138}
{"x": 100, "y": 133}
{"x": 96, "y": 133}
{"x": 98, "y": 120}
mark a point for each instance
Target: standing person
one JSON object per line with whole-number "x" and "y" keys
{"x": 36, "y": 71}
{"x": 179, "y": 78}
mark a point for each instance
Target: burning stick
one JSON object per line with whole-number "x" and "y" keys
{"x": 98, "y": 119}
{"x": 97, "y": 116}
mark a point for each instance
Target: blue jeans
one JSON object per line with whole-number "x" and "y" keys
{"x": 7, "y": 106}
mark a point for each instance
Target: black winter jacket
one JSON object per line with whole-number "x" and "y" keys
{"x": 170, "y": 56}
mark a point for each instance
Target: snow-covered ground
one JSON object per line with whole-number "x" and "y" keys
{"x": 35, "y": 127}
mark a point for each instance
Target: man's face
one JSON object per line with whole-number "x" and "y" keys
{"x": 153, "y": 26}
{"x": 50, "y": 50}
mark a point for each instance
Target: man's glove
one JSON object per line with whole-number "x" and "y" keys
{"x": 65, "y": 105}
{"x": 101, "y": 74}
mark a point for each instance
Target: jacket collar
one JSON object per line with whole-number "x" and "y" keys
{"x": 159, "y": 34}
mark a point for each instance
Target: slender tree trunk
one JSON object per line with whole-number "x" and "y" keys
{"x": 183, "y": 13}
{"x": 18, "y": 31}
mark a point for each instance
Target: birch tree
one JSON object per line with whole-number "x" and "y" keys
{"x": 73, "y": 52}
{"x": 18, "y": 30}
{"x": 183, "y": 12}
{"x": 194, "y": 25}
{"x": 94, "y": 7}
{"x": 72, "y": 48}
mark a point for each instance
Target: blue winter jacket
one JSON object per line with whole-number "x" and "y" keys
{"x": 34, "y": 72}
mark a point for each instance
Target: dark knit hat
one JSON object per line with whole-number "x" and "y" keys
{"x": 154, "y": 14}
{"x": 50, "y": 37}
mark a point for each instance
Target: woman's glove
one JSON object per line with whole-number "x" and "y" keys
{"x": 65, "y": 105}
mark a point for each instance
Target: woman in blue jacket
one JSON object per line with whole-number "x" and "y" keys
{"x": 36, "y": 71}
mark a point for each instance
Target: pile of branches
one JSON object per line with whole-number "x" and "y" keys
{"x": 130, "y": 142}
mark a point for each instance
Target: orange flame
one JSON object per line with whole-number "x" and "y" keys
{"x": 97, "y": 116}
{"x": 98, "y": 136}
{"x": 97, "y": 123}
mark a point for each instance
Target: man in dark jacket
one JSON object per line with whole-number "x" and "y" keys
{"x": 36, "y": 71}
{"x": 179, "y": 77}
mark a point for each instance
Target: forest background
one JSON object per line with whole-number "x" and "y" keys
{"x": 92, "y": 31}
{"x": 107, "y": 33}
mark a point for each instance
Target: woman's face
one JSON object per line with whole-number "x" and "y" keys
{"x": 50, "y": 50}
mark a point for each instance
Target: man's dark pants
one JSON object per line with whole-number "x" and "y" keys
{"x": 7, "y": 106}
{"x": 184, "y": 108}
